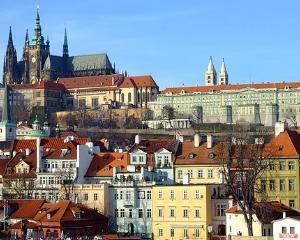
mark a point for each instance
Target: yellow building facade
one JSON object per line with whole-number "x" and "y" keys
{"x": 181, "y": 211}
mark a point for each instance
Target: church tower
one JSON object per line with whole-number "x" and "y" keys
{"x": 35, "y": 54}
{"x": 223, "y": 76}
{"x": 7, "y": 127}
{"x": 210, "y": 74}
{"x": 10, "y": 67}
{"x": 65, "y": 46}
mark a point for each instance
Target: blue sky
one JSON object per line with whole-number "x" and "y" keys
{"x": 170, "y": 39}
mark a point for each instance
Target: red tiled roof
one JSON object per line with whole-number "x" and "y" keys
{"x": 28, "y": 225}
{"x": 3, "y": 165}
{"x": 91, "y": 81}
{"x": 103, "y": 163}
{"x": 59, "y": 142}
{"x": 56, "y": 153}
{"x": 24, "y": 208}
{"x": 139, "y": 81}
{"x": 128, "y": 83}
{"x": 151, "y": 146}
{"x": 49, "y": 85}
{"x": 218, "y": 88}
{"x": 24, "y": 143}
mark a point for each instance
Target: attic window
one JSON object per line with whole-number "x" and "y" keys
{"x": 211, "y": 155}
{"x": 78, "y": 215}
{"x": 182, "y": 92}
{"x": 280, "y": 147}
{"x": 48, "y": 215}
{"x": 64, "y": 152}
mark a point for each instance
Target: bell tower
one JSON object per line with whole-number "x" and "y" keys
{"x": 35, "y": 52}
{"x": 210, "y": 74}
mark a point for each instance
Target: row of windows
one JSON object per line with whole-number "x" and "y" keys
{"x": 197, "y": 194}
{"x": 86, "y": 196}
{"x": 127, "y": 195}
{"x": 282, "y": 185}
{"x": 185, "y": 212}
{"x": 186, "y": 233}
{"x": 282, "y": 165}
{"x": 199, "y": 173}
{"x": 120, "y": 213}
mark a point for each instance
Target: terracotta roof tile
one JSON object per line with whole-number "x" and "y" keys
{"x": 151, "y": 146}
{"x": 103, "y": 163}
{"x": 140, "y": 81}
{"x": 24, "y": 143}
{"x": 219, "y": 88}
{"x": 91, "y": 81}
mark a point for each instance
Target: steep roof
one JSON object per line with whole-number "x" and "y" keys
{"x": 59, "y": 142}
{"x": 219, "y": 88}
{"x": 88, "y": 62}
{"x": 59, "y": 153}
{"x": 151, "y": 146}
{"x": 101, "y": 81}
{"x": 189, "y": 154}
{"x": 102, "y": 164}
{"x": 139, "y": 81}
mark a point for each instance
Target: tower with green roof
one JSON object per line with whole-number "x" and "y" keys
{"x": 7, "y": 126}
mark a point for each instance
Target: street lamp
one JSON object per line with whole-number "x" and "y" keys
{"x": 209, "y": 229}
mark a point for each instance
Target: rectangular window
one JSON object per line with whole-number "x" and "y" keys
{"x": 116, "y": 213}
{"x": 197, "y": 232}
{"x": 160, "y": 212}
{"x": 291, "y": 165}
{"x": 197, "y": 194}
{"x": 190, "y": 173}
{"x": 210, "y": 173}
{"x": 160, "y": 232}
{"x": 121, "y": 195}
{"x": 272, "y": 166}
{"x": 185, "y": 213}
{"x": 179, "y": 174}
{"x": 186, "y": 232}
{"x": 200, "y": 173}
{"x": 282, "y": 184}
{"x": 292, "y": 203}
{"x": 134, "y": 159}
{"x": 86, "y": 196}
{"x": 172, "y": 232}
{"x": 95, "y": 196}
{"x": 116, "y": 196}
{"x": 263, "y": 185}
{"x": 291, "y": 185}
{"x": 95, "y": 102}
{"x": 221, "y": 209}
{"x": 282, "y": 165}
{"x": 149, "y": 213}
{"x": 172, "y": 212}
{"x": 283, "y": 230}
{"x": 292, "y": 230}
{"x": 130, "y": 213}
{"x": 185, "y": 194}
{"x": 172, "y": 195}
{"x": 127, "y": 196}
{"x": 122, "y": 213}
{"x": 272, "y": 185}
{"x": 141, "y": 194}
{"x": 140, "y": 213}
{"x": 160, "y": 194}
{"x": 197, "y": 213}
{"x": 148, "y": 195}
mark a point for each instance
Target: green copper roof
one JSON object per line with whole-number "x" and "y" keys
{"x": 88, "y": 62}
{"x": 37, "y": 133}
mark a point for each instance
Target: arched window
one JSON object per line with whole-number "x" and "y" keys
{"x": 138, "y": 97}
{"x": 122, "y": 97}
{"x": 129, "y": 97}
{"x": 144, "y": 96}
{"x": 148, "y": 96}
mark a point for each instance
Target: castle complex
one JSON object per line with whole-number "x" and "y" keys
{"x": 39, "y": 64}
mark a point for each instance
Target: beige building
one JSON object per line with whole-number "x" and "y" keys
{"x": 93, "y": 195}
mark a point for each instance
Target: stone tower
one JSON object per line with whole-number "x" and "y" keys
{"x": 7, "y": 127}
{"x": 223, "y": 76}
{"x": 35, "y": 54}
{"x": 210, "y": 74}
{"x": 10, "y": 68}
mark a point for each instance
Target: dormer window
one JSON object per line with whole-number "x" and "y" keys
{"x": 211, "y": 155}
{"x": 48, "y": 215}
{"x": 182, "y": 92}
{"x": 78, "y": 215}
{"x": 191, "y": 155}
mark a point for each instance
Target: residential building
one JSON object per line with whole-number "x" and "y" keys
{"x": 280, "y": 181}
{"x": 180, "y": 212}
{"x": 60, "y": 219}
{"x": 286, "y": 228}
{"x": 197, "y": 161}
{"x": 131, "y": 208}
{"x": 264, "y": 214}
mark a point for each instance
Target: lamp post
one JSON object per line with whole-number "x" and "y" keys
{"x": 209, "y": 229}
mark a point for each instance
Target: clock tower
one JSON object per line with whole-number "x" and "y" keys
{"x": 35, "y": 54}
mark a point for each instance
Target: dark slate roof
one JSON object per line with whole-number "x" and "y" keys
{"x": 54, "y": 62}
{"x": 88, "y": 62}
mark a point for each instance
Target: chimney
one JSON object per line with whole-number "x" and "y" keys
{"x": 284, "y": 215}
{"x": 196, "y": 140}
{"x": 27, "y": 150}
{"x": 209, "y": 141}
{"x": 137, "y": 139}
{"x": 14, "y": 153}
{"x": 279, "y": 128}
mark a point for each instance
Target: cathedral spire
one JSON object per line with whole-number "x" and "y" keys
{"x": 26, "y": 38}
{"x": 210, "y": 74}
{"x": 37, "y": 38}
{"x": 10, "y": 66}
{"x": 65, "y": 45}
{"x": 223, "y": 77}
{"x": 10, "y": 40}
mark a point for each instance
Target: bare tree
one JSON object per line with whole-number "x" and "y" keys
{"x": 291, "y": 118}
{"x": 244, "y": 165}
{"x": 67, "y": 184}
{"x": 20, "y": 187}
{"x": 21, "y": 111}
{"x": 168, "y": 113}
{"x": 197, "y": 114}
